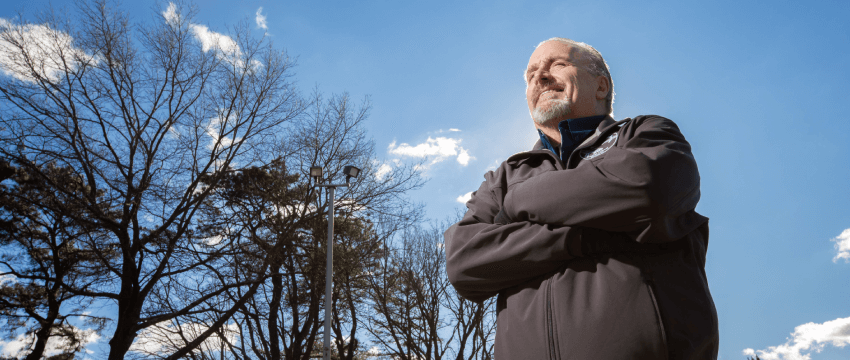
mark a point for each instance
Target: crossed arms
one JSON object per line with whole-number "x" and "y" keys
{"x": 644, "y": 189}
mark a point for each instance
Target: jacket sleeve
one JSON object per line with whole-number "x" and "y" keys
{"x": 647, "y": 184}
{"x": 483, "y": 258}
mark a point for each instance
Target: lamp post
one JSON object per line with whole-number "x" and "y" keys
{"x": 316, "y": 172}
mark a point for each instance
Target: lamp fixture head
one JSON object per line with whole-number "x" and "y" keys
{"x": 316, "y": 172}
{"x": 350, "y": 172}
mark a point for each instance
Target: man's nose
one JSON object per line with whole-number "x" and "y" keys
{"x": 543, "y": 77}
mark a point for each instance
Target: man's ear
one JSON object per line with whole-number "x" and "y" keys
{"x": 601, "y": 87}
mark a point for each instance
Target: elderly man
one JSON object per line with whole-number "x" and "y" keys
{"x": 590, "y": 240}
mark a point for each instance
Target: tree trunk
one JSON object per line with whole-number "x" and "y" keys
{"x": 41, "y": 338}
{"x": 274, "y": 308}
{"x": 129, "y": 310}
{"x": 47, "y": 324}
{"x": 122, "y": 339}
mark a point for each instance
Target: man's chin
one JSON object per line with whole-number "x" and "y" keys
{"x": 557, "y": 111}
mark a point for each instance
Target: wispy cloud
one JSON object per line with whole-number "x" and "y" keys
{"x": 172, "y": 17}
{"x": 173, "y": 131}
{"x": 261, "y": 19}
{"x": 449, "y": 130}
{"x": 464, "y": 198}
{"x": 211, "y": 40}
{"x": 223, "y": 45}
{"x": 440, "y": 149}
{"x": 382, "y": 171}
{"x": 221, "y": 132}
{"x": 808, "y": 338}
{"x": 49, "y": 52}
{"x": 842, "y": 244}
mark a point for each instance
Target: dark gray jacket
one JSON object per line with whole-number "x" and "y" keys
{"x": 635, "y": 184}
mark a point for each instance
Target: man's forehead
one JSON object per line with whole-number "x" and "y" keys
{"x": 554, "y": 49}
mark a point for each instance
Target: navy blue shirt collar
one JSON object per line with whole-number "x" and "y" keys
{"x": 573, "y": 132}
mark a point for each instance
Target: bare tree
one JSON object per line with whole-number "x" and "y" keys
{"x": 192, "y": 204}
{"x": 150, "y": 119}
{"x": 474, "y": 327}
{"x": 417, "y": 314}
{"x": 279, "y": 205}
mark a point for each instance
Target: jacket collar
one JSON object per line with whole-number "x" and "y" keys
{"x": 573, "y": 132}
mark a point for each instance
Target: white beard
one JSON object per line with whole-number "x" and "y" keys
{"x": 559, "y": 109}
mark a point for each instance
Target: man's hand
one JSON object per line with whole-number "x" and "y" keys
{"x": 598, "y": 242}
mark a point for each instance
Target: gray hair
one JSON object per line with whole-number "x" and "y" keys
{"x": 596, "y": 66}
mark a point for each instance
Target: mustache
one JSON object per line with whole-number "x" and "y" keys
{"x": 552, "y": 88}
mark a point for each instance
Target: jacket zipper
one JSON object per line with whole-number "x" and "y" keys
{"x": 602, "y": 134}
{"x": 553, "y": 355}
{"x": 648, "y": 281}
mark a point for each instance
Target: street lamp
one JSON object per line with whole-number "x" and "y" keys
{"x": 316, "y": 173}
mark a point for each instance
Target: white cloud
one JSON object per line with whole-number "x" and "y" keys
{"x": 20, "y": 346}
{"x": 214, "y": 240}
{"x": 214, "y": 130}
{"x": 261, "y": 19}
{"x": 224, "y": 46}
{"x": 382, "y": 171}
{"x": 842, "y": 244}
{"x": 374, "y": 351}
{"x": 440, "y": 149}
{"x": 463, "y": 157}
{"x": 494, "y": 165}
{"x": 211, "y": 40}
{"x": 301, "y": 208}
{"x": 174, "y": 132}
{"x": 449, "y": 130}
{"x": 7, "y": 279}
{"x": 807, "y": 338}
{"x": 464, "y": 198}
{"x": 49, "y": 52}
{"x": 171, "y": 16}
{"x": 165, "y": 337}
{"x": 15, "y": 347}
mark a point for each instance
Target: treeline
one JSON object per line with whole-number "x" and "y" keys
{"x": 154, "y": 191}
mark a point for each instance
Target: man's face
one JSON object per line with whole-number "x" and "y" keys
{"x": 559, "y": 86}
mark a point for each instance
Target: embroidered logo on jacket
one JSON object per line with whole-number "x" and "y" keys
{"x": 604, "y": 147}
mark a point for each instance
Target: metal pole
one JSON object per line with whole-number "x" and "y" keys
{"x": 328, "y": 274}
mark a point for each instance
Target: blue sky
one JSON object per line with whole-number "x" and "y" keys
{"x": 758, "y": 88}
